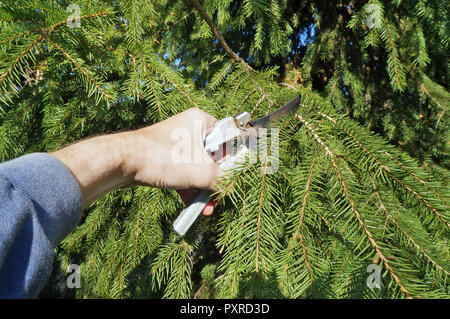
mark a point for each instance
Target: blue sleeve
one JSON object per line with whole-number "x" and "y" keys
{"x": 40, "y": 203}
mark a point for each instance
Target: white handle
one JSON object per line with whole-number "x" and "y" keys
{"x": 224, "y": 130}
{"x": 188, "y": 216}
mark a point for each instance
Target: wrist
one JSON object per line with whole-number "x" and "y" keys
{"x": 142, "y": 155}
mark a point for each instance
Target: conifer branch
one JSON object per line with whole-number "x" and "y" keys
{"x": 258, "y": 224}
{"x": 219, "y": 37}
{"x": 399, "y": 82}
{"x": 50, "y": 29}
{"x": 158, "y": 102}
{"x": 63, "y": 140}
{"x": 414, "y": 175}
{"x": 424, "y": 90}
{"x": 133, "y": 22}
{"x": 305, "y": 197}
{"x": 238, "y": 86}
{"x": 168, "y": 76}
{"x": 88, "y": 16}
{"x": 354, "y": 208}
{"x": 388, "y": 171}
{"x": 422, "y": 199}
{"x": 314, "y": 134}
{"x": 83, "y": 71}
{"x": 16, "y": 36}
{"x": 366, "y": 230}
{"x": 17, "y": 60}
{"x": 297, "y": 233}
{"x": 393, "y": 220}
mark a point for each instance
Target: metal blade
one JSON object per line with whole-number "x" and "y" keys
{"x": 290, "y": 107}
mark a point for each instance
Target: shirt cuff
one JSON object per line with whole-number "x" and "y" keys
{"x": 51, "y": 187}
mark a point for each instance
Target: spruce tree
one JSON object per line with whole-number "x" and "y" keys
{"x": 363, "y": 165}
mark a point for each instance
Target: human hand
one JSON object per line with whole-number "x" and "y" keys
{"x": 169, "y": 154}
{"x": 192, "y": 169}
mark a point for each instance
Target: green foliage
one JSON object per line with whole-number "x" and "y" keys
{"x": 363, "y": 165}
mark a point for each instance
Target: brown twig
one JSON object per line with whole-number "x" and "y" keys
{"x": 219, "y": 37}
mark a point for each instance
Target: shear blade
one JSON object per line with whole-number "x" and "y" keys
{"x": 287, "y": 109}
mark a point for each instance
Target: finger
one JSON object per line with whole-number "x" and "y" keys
{"x": 209, "y": 208}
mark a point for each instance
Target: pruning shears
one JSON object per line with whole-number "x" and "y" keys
{"x": 241, "y": 131}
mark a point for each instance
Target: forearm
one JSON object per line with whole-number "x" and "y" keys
{"x": 98, "y": 164}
